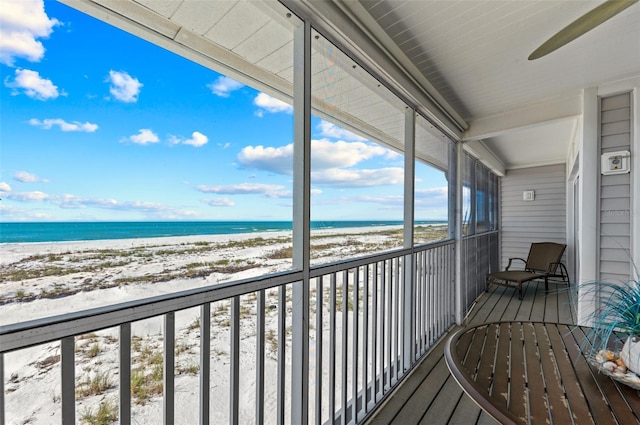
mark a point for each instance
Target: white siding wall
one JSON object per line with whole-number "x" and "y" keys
{"x": 540, "y": 220}
{"x": 615, "y": 192}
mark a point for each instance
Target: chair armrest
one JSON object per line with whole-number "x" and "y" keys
{"x": 514, "y": 258}
{"x": 553, "y": 267}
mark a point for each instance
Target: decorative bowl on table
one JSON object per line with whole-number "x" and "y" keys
{"x": 610, "y": 364}
{"x": 613, "y": 344}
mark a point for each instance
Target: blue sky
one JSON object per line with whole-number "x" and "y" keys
{"x": 97, "y": 124}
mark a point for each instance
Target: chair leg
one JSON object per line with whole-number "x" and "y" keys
{"x": 565, "y": 274}
{"x": 546, "y": 283}
{"x": 520, "y": 291}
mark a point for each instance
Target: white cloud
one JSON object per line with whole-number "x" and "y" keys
{"x": 432, "y": 197}
{"x": 268, "y": 190}
{"x": 271, "y": 104}
{"x": 124, "y": 87}
{"x": 219, "y": 202}
{"x": 26, "y": 177}
{"x": 387, "y": 200}
{"x": 224, "y": 146}
{"x": 22, "y": 22}
{"x": 4, "y": 187}
{"x": 69, "y": 201}
{"x": 144, "y": 137}
{"x": 197, "y": 139}
{"x": 27, "y": 196}
{"x": 331, "y": 130}
{"x": 48, "y": 123}
{"x": 11, "y": 213}
{"x": 32, "y": 85}
{"x": 277, "y": 160}
{"x": 223, "y": 86}
{"x": 338, "y": 177}
{"x": 325, "y": 155}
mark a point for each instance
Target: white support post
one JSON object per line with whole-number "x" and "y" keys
{"x": 409, "y": 328}
{"x": 301, "y": 221}
{"x": 589, "y": 210}
{"x": 459, "y": 306}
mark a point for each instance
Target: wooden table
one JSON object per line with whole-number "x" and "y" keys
{"x": 534, "y": 373}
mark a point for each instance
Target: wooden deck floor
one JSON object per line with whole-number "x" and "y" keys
{"x": 431, "y": 396}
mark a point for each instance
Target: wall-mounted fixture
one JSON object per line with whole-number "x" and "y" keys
{"x": 528, "y": 195}
{"x": 616, "y": 162}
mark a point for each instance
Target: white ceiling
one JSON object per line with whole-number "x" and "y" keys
{"x": 469, "y": 55}
{"x": 474, "y": 54}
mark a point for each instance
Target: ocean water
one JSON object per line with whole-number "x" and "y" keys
{"x": 79, "y": 231}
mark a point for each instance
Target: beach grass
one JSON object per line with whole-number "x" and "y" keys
{"x": 69, "y": 272}
{"x": 106, "y": 413}
{"x": 95, "y": 384}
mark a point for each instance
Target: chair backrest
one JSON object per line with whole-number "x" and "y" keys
{"x": 543, "y": 254}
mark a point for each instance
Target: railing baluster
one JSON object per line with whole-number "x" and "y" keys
{"x": 419, "y": 303}
{"x": 67, "y": 355}
{"x": 355, "y": 338}
{"x": 376, "y": 363}
{"x": 438, "y": 294}
{"x": 260, "y": 350}
{"x": 125, "y": 374}
{"x": 234, "y": 414}
{"x": 433, "y": 278}
{"x": 2, "y": 414}
{"x": 205, "y": 363}
{"x": 425, "y": 303}
{"x": 389, "y": 321}
{"x": 332, "y": 349}
{"x": 432, "y": 304}
{"x": 319, "y": 347}
{"x": 382, "y": 326}
{"x": 169, "y": 367}
{"x": 345, "y": 330}
{"x": 396, "y": 308}
{"x": 365, "y": 334}
{"x": 282, "y": 312}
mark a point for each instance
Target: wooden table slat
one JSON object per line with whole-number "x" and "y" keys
{"x": 517, "y": 381}
{"x": 486, "y": 365}
{"x": 500, "y": 385}
{"x": 577, "y": 402}
{"x": 536, "y": 391}
{"x": 475, "y": 350}
{"x": 556, "y": 399}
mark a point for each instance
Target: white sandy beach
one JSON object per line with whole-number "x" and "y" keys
{"x": 46, "y": 279}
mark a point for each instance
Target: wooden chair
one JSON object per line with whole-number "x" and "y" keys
{"x": 543, "y": 262}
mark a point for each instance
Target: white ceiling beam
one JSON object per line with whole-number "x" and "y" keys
{"x": 527, "y": 117}
{"x": 477, "y": 149}
{"x": 336, "y": 21}
{"x": 361, "y": 17}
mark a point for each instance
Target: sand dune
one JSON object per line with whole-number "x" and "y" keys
{"x": 46, "y": 279}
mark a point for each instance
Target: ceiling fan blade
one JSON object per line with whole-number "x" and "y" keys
{"x": 583, "y": 24}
